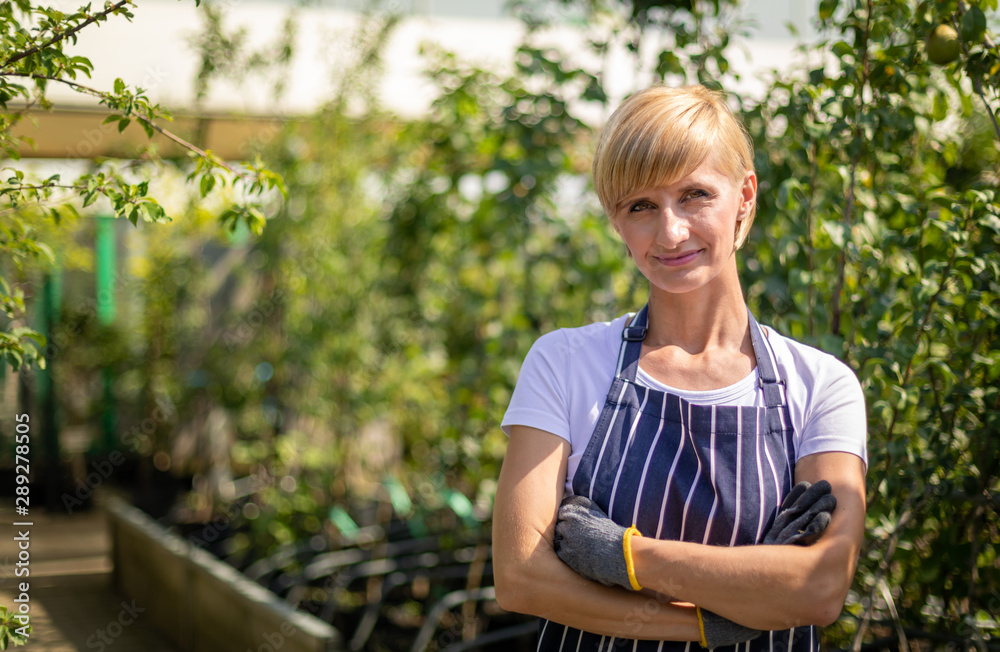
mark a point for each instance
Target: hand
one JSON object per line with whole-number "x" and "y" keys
{"x": 591, "y": 543}
{"x": 803, "y": 517}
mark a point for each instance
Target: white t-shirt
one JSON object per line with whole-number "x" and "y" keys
{"x": 567, "y": 373}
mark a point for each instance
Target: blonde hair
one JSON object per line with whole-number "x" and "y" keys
{"x": 660, "y": 135}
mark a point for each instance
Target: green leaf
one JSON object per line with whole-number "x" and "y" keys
{"x": 826, "y": 9}
{"x": 207, "y": 183}
{"x": 940, "y": 107}
{"x": 15, "y": 358}
{"x": 836, "y": 231}
{"x": 122, "y": 123}
{"x": 842, "y": 49}
{"x": 973, "y": 25}
{"x": 46, "y": 251}
{"x": 119, "y": 86}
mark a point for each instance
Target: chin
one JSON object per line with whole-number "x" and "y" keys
{"x": 675, "y": 287}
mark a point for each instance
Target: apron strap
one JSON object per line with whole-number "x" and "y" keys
{"x": 632, "y": 336}
{"x": 767, "y": 366}
{"x": 635, "y": 332}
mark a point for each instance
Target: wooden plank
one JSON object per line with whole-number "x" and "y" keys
{"x": 75, "y": 133}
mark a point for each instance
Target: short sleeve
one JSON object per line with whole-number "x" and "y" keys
{"x": 836, "y": 419}
{"x": 540, "y": 398}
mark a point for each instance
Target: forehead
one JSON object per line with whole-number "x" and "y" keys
{"x": 707, "y": 172}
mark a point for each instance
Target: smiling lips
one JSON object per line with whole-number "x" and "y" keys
{"x": 678, "y": 260}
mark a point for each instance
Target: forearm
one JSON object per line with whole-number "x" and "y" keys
{"x": 544, "y": 586}
{"x": 763, "y": 587}
{"x": 770, "y": 586}
{"x": 530, "y": 578}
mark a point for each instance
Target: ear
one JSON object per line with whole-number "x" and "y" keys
{"x": 748, "y": 195}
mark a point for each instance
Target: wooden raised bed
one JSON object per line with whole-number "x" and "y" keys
{"x": 200, "y": 603}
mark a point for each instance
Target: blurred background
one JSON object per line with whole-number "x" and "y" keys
{"x": 320, "y": 363}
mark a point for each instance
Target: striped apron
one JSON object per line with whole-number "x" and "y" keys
{"x": 711, "y": 474}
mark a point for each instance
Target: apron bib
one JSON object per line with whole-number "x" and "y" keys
{"x": 710, "y": 474}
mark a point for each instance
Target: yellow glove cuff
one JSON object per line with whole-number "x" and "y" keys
{"x": 701, "y": 627}
{"x": 629, "y": 563}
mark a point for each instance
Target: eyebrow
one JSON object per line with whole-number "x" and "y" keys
{"x": 699, "y": 185}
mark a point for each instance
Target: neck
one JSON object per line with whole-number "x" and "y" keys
{"x": 711, "y": 317}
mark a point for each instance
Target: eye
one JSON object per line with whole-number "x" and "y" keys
{"x": 635, "y": 207}
{"x": 697, "y": 193}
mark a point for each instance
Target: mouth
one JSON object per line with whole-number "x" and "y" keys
{"x": 679, "y": 259}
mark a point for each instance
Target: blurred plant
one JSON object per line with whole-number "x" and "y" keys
{"x": 877, "y": 240}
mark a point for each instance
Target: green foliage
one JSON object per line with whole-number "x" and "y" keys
{"x": 12, "y": 632}
{"x": 32, "y": 40}
{"x": 877, "y": 241}
{"x": 364, "y": 350}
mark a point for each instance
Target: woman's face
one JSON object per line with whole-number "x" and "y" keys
{"x": 682, "y": 235}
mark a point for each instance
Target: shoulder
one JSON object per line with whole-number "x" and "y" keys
{"x": 565, "y": 345}
{"x": 825, "y": 399}
{"x": 801, "y": 363}
{"x": 564, "y": 372}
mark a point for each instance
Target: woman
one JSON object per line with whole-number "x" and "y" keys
{"x": 686, "y": 420}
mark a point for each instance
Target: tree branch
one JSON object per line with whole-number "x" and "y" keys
{"x": 141, "y": 118}
{"x": 45, "y": 186}
{"x": 55, "y": 39}
{"x": 74, "y": 85}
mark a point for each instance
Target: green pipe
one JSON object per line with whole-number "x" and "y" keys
{"x": 105, "y": 249}
{"x": 105, "y": 272}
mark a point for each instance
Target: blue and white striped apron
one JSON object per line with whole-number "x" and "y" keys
{"x": 710, "y": 474}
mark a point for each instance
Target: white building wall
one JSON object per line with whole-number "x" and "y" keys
{"x": 154, "y": 50}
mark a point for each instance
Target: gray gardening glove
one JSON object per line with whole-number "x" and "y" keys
{"x": 802, "y": 519}
{"x": 591, "y": 543}
{"x": 804, "y": 515}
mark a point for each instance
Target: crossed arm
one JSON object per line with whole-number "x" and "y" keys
{"x": 764, "y": 587}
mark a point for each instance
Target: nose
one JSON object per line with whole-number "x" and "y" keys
{"x": 673, "y": 228}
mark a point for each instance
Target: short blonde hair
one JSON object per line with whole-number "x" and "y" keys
{"x": 660, "y": 135}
